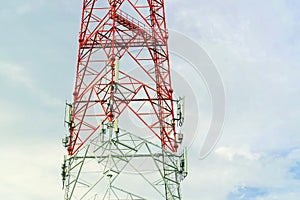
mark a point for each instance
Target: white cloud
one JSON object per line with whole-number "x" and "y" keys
{"x": 230, "y": 167}
{"x": 230, "y": 153}
{"x": 248, "y": 43}
{"x": 20, "y": 76}
{"x": 30, "y": 169}
{"x": 16, "y": 74}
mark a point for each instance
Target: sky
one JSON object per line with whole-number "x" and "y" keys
{"x": 255, "y": 47}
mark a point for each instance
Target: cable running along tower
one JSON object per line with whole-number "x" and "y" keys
{"x": 124, "y": 138}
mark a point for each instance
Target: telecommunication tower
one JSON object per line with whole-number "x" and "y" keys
{"x": 123, "y": 140}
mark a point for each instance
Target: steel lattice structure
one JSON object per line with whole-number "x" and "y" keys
{"x": 123, "y": 78}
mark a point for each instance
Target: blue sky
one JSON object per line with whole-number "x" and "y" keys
{"x": 254, "y": 44}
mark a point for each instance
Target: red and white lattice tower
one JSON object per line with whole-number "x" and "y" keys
{"x": 123, "y": 141}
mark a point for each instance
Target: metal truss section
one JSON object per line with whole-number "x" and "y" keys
{"x": 123, "y": 166}
{"x": 111, "y": 43}
{"x": 123, "y": 79}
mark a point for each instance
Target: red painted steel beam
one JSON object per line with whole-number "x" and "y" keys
{"x": 138, "y": 38}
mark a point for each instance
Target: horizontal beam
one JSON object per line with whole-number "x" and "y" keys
{"x": 123, "y": 156}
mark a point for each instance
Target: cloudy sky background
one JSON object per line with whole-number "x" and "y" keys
{"x": 254, "y": 45}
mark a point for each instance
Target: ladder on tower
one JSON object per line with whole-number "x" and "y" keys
{"x": 133, "y": 24}
{"x": 137, "y": 34}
